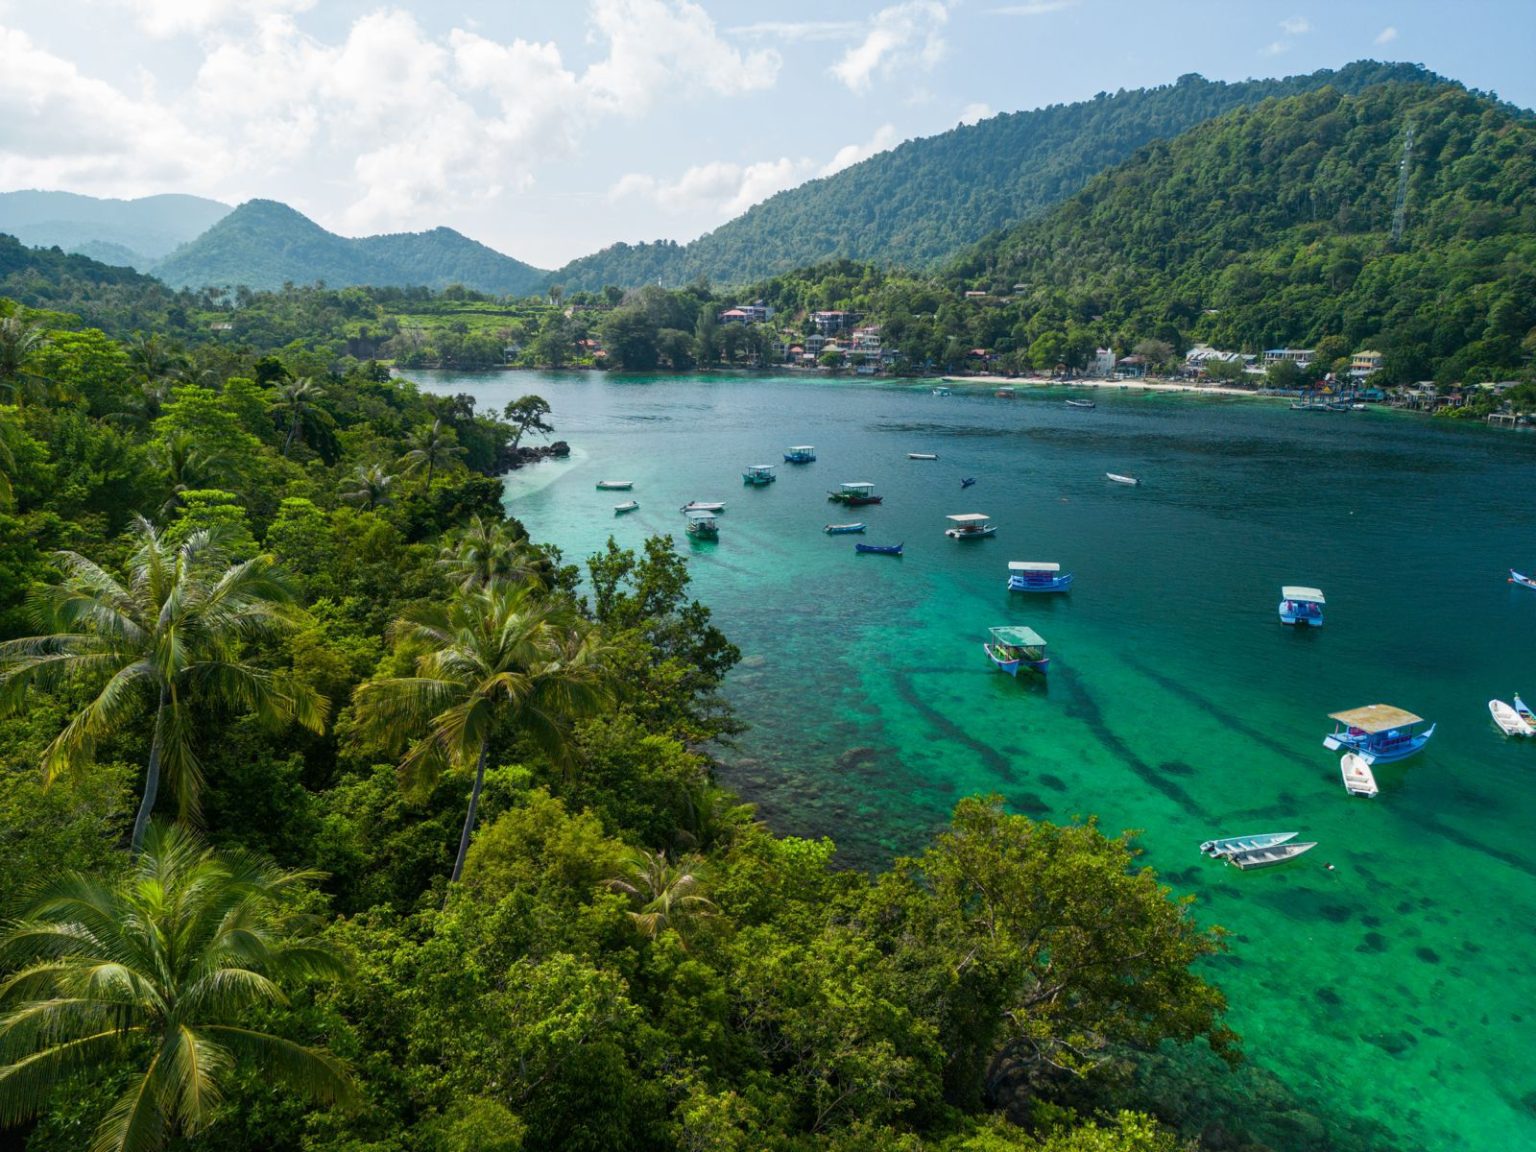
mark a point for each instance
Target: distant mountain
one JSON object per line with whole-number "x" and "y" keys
{"x": 133, "y": 233}
{"x": 927, "y": 200}
{"x": 263, "y": 244}
{"x": 117, "y": 300}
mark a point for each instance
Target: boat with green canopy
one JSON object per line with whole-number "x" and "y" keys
{"x": 1017, "y": 646}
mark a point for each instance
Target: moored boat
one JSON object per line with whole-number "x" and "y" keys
{"x": 1004, "y": 393}
{"x": 1525, "y": 713}
{"x": 1015, "y": 647}
{"x": 855, "y": 493}
{"x": 1227, "y": 845}
{"x": 969, "y": 526}
{"x": 1300, "y": 605}
{"x": 1523, "y": 581}
{"x": 702, "y": 525}
{"x": 1081, "y": 404}
{"x": 1121, "y": 479}
{"x": 703, "y": 506}
{"x": 879, "y": 549}
{"x": 1509, "y": 720}
{"x": 758, "y": 475}
{"x": 1264, "y": 857}
{"x": 842, "y": 529}
{"x": 967, "y": 481}
{"x": 800, "y": 454}
{"x": 941, "y": 391}
{"x": 922, "y": 455}
{"x": 1037, "y": 576}
{"x": 627, "y": 506}
{"x": 1358, "y": 778}
{"x": 1378, "y": 733}
{"x": 615, "y": 485}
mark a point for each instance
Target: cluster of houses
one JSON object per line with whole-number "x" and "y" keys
{"x": 1198, "y": 360}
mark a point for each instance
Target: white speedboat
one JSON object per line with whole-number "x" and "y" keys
{"x": 1358, "y": 779}
{"x": 1264, "y": 857}
{"x": 1510, "y": 722}
{"x": 627, "y": 506}
{"x": 703, "y": 506}
{"x": 1119, "y": 479}
{"x": 615, "y": 485}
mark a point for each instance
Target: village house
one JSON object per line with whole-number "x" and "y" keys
{"x": 1300, "y": 357}
{"x": 828, "y": 323}
{"x": 1362, "y": 364}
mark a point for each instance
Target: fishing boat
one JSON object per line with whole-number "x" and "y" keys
{"x": 1378, "y": 733}
{"x": 702, "y": 525}
{"x": 615, "y": 485}
{"x": 1004, "y": 393}
{"x": 1358, "y": 778}
{"x": 800, "y": 454}
{"x": 967, "y": 481}
{"x": 1037, "y": 576}
{"x": 922, "y": 455}
{"x": 703, "y": 506}
{"x": 627, "y": 506}
{"x": 1299, "y": 605}
{"x": 1523, "y": 581}
{"x": 1264, "y": 857}
{"x": 855, "y": 493}
{"x": 1525, "y": 713}
{"x": 1081, "y": 404}
{"x": 1509, "y": 720}
{"x": 1228, "y": 845}
{"x": 879, "y": 549}
{"x": 941, "y": 392}
{"x": 841, "y": 529}
{"x": 1016, "y": 647}
{"x": 758, "y": 475}
{"x": 969, "y": 526}
{"x": 1119, "y": 479}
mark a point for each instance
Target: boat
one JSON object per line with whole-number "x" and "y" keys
{"x": 969, "y": 526}
{"x": 1523, "y": 581}
{"x": 1509, "y": 720}
{"x": 1004, "y": 393}
{"x": 615, "y": 485}
{"x": 703, "y": 506}
{"x": 841, "y": 529}
{"x": 941, "y": 392}
{"x": 1337, "y": 406}
{"x": 1525, "y": 713}
{"x": 800, "y": 454}
{"x": 1228, "y": 845}
{"x": 1119, "y": 479}
{"x": 1358, "y": 407}
{"x": 627, "y": 506}
{"x": 922, "y": 455}
{"x": 1358, "y": 779}
{"x": 1016, "y": 647}
{"x": 1378, "y": 733}
{"x": 879, "y": 549}
{"x": 702, "y": 525}
{"x": 758, "y": 475}
{"x": 967, "y": 481}
{"x": 1037, "y": 576}
{"x": 1081, "y": 404}
{"x": 1299, "y": 605}
{"x": 855, "y": 493}
{"x": 1264, "y": 857}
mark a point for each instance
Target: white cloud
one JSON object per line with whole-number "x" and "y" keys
{"x": 1295, "y": 26}
{"x": 885, "y": 137}
{"x": 162, "y": 18}
{"x": 905, "y": 36}
{"x": 796, "y": 30}
{"x": 1386, "y": 35}
{"x": 1276, "y": 47}
{"x": 1032, "y": 8}
{"x": 971, "y": 113}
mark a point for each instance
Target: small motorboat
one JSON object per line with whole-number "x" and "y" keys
{"x": 1301, "y": 605}
{"x": 1525, "y": 713}
{"x": 1081, "y": 404}
{"x": 1230, "y": 844}
{"x": 615, "y": 485}
{"x": 1119, "y": 479}
{"x": 627, "y": 506}
{"x": 941, "y": 391}
{"x": 1523, "y": 581}
{"x": 1358, "y": 779}
{"x": 922, "y": 455}
{"x": 703, "y": 506}
{"x": 970, "y": 526}
{"x": 879, "y": 549}
{"x": 1509, "y": 720}
{"x": 1264, "y": 857}
{"x": 840, "y": 529}
{"x": 967, "y": 481}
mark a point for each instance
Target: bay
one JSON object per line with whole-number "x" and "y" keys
{"x": 1393, "y": 992}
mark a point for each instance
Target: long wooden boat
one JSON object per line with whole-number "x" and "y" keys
{"x": 842, "y": 529}
{"x": 922, "y": 455}
{"x": 1227, "y": 845}
{"x": 1037, "y": 576}
{"x": 800, "y": 454}
{"x": 879, "y": 549}
{"x": 758, "y": 475}
{"x": 1016, "y": 647}
{"x": 1300, "y": 605}
{"x": 1081, "y": 404}
{"x": 627, "y": 506}
{"x": 1264, "y": 857}
{"x": 967, "y": 481}
{"x": 703, "y": 506}
{"x": 1119, "y": 479}
{"x": 1377, "y": 733}
{"x": 1358, "y": 778}
{"x": 1523, "y": 581}
{"x": 1509, "y": 720}
{"x": 615, "y": 485}
{"x": 1525, "y": 713}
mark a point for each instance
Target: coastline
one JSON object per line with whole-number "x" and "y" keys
{"x": 1127, "y": 385}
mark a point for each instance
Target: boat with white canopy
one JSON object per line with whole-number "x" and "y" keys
{"x": 969, "y": 526}
{"x": 1037, "y": 576}
{"x": 1301, "y": 605}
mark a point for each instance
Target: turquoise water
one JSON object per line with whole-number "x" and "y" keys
{"x": 1391, "y": 993}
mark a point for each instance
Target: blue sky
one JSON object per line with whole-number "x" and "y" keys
{"x": 550, "y": 128}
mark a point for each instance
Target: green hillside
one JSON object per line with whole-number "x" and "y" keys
{"x": 114, "y": 299}
{"x": 925, "y": 201}
{"x": 263, "y": 244}
{"x": 134, "y": 233}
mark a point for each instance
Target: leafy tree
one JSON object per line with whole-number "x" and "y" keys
{"x": 526, "y": 414}
{"x": 156, "y": 977}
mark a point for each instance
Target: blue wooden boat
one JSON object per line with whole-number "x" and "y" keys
{"x": 1016, "y": 647}
{"x": 840, "y": 529}
{"x": 967, "y": 481}
{"x": 758, "y": 475}
{"x": 1523, "y": 581}
{"x": 1378, "y": 733}
{"x": 800, "y": 454}
{"x": 1525, "y": 713}
{"x": 1037, "y": 576}
{"x": 879, "y": 549}
{"x": 1229, "y": 845}
{"x": 1299, "y": 605}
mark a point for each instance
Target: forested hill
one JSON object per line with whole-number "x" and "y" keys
{"x": 134, "y": 233}
{"x": 1272, "y": 226}
{"x": 926, "y": 200}
{"x": 263, "y": 244}
{"x": 114, "y": 299}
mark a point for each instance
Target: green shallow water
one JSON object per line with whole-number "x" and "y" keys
{"x": 1397, "y": 989}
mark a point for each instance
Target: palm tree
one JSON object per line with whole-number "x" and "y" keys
{"x": 297, "y": 398}
{"x": 167, "y": 638}
{"x": 496, "y": 655}
{"x": 367, "y": 488}
{"x": 185, "y": 464}
{"x": 668, "y": 893}
{"x": 486, "y": 552}
{"x": 19, "y": 342}
{"x": 430, "y": 447}
{"x": 157, "y": 972}
{"x": 152, "y": 363}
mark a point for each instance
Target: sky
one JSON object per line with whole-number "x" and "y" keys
{"x": 548, "y": 129}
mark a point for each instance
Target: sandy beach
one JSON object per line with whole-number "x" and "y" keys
{"x": 1128, "y": 385}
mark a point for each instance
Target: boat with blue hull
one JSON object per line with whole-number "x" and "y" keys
{"x": 1015, "y": 647}
{"x": 1230, "y": 845}
{"x": 1037, "y": 576}
{"x": 967, "y": 481}
{"x": 800, "y": 454}
{"x": 879, "y": 549}
{"x": 758, "y": 475}
{"x": 842, "y": 529}
{"x": 1301, "y": 605}
{"x": 1378, "y": 733}
{"x": 1520, "y": 579}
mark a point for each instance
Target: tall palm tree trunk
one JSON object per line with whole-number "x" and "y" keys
{"x": 151, "y": 775}
{"x": 469, "y": 817}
